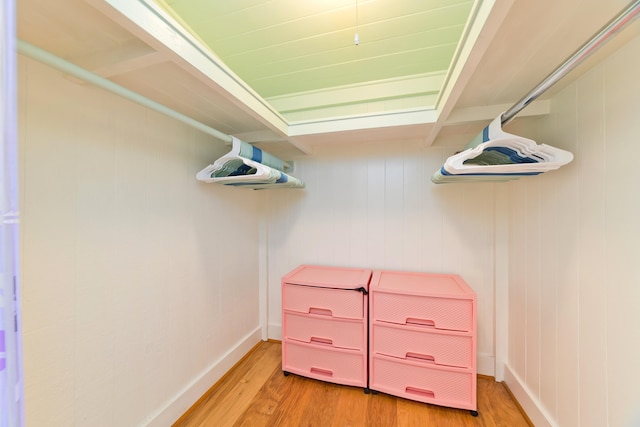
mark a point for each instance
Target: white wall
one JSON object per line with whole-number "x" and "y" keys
{"x": 140, "y": 284}
{"x": 574, "y": 281}
{"x": 375, "y": 207}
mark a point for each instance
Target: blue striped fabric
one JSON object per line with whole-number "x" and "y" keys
{"x": 257, "y": 154}
{"x": 495, "y": 155}
{"x": 249, "y": 167}
{"x": 485, "y": 134}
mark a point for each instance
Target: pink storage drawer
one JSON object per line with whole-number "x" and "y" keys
{"x": 441, "y": 386}
{"x": 346, "y": 304}
{"x": 428, "y": 284}
{"x": 439, "y": 313}
{"x": 444, "y": 349}
{"x": 333, "y": 365}
{"x": 329, "y": 277}
{"x": 338, "y": 333}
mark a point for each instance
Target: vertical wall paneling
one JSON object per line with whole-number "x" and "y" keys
{"x": 375, "y": 207}
{"x": 341, "y": 204}
{"x": 501, "y": 281}
{"x": 137, "y": 296}
{"x": 574, "y": 363}
{"x": 94, "y": 273}
{"x": 532, "y": 285}
{"x": 48, "y": 383}
{"x": 357, "y": 229}
{"x": 283, "y": 240}
{"x": 394, "y": 208}
{"x": 451, "y": 234}
{"x": 550, "y": 262}
{"x": 517, "y": 287}
{"x": 431, "y": 212}
{"x": 592, "y": 246}
{"x": 568, "y": 284}
{"x": 263, "y": 270}
{"x": 622, "y": 210}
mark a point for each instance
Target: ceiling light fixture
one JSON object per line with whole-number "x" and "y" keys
{"x": 356, "y": 39}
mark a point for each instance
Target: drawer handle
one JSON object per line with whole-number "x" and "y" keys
{"x": 420, "y": 322}
{"x": 319, "y": 340}
{"x": 319, "y": 371}
{"x": 420, "y": 392}
{"x": 421, "y": 357}
{"x": 320, "y": 311}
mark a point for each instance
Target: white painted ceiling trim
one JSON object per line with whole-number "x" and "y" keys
{"x": 489, "y": 112}
{"x": 418, "y": 116}
{"x": 130, "y": 56}
{"x": 362, "y": 93}
{"x": 147, "y": 21}
{"x": 487, "y": 16}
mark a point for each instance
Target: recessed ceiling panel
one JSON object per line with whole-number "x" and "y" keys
{"x": 280, "y": 47}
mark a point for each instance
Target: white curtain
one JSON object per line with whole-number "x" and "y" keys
{"x": 11, "y": 412}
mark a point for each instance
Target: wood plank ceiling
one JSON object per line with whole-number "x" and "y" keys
{"x": 280, "y": 47}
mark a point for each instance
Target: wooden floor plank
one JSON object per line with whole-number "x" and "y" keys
{"x": 382, "y": 410}
{"x": 495, "y": 399}
{"x": 351, "y": 409}
{"x": 228, "y": 403}
{"x": 410, "y": 414}
{"x": 289, "y": 413}
{"x": 264, "y": 405}
{"x": 255, "y": 393}
{"x": 321, "y": 408}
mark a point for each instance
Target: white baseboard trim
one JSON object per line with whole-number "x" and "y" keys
{"x": 530, "y": 404}
{"x": 485, "y": 364}
{"x": 194, "y": 391}
{"x": 275, "y": 331}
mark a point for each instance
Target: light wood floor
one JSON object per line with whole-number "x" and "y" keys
{"x": 256, "y": 393}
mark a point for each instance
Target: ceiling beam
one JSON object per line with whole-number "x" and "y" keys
{"x": 489, "y": 112}
{"x": 361, "y": 122}
{"x": 486, "y": 19}
{"x": 360, "y": 93}
{"x": 153, "y": 26}
{"x": 121, "y": 59}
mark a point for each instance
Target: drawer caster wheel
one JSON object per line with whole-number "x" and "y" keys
{"x": 374, "y": 392}
{"x": 474, "y": 413}
{"x": 367, "y": 391}
{"x": 286, "y": 374}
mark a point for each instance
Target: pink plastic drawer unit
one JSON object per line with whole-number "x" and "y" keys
{"x": 443, "y": 349}
{"x": 339, "y": 333}
{"x": 438, "y": 313}
{"x": 412, "y": 380}
{"x": 326, "y": 364}
{"x": 324, "y": 324}
{"x": 422, "y": 342}
{"x": 322, "y": 301}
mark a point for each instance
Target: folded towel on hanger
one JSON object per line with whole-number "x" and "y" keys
{"x": 249, "y": 167}
{"x": 495, "y": 155}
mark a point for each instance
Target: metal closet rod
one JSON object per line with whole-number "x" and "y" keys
{"x": 67, "y": 67}
{"x": 609, "y": 30}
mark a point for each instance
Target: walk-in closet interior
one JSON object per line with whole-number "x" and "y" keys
{"x": 341, "y": 131}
